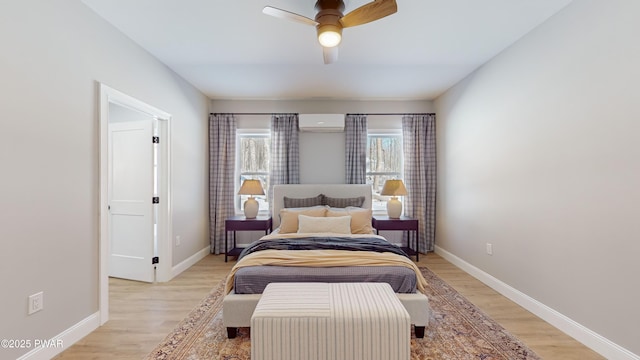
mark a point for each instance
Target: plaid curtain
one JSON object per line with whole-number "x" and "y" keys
{"x": 222, "y": 159}
{"x": 355, "y": 127}
{"x": 284, "y": 164}
{"x": 419, "y": 139}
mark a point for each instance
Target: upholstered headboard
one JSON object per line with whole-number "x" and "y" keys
{"x": 311, "y": 190}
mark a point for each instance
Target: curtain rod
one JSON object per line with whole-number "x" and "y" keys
{"x": 374, "y": 114}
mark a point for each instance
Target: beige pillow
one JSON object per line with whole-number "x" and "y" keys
{"x": 333, "y": 212}
{"x": 360, "y": 218}
{"x": 336, "y": 225}
{"x": 289, "y": 217}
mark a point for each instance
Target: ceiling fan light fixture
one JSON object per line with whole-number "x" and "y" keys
{"x": 330, "y": 20}
{"x": 329, "y": 35}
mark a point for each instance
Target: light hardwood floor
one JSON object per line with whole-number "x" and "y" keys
{"x": 141, "y": 315}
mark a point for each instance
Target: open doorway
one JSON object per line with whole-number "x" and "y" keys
{"x": 135, "y": 208}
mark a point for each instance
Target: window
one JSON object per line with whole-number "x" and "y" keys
{"x": 252, "y": 156}
{"x": 384, "y": 162}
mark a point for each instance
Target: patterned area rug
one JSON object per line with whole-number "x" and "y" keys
{"x": 457, "y": 330}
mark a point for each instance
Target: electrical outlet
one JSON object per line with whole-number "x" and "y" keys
{"x": 178, "y": 240}
{"x": 489, "y": 249}
{"x": 36, "y": 302}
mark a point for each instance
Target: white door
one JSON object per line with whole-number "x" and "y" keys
{"x": 131, "y": 176}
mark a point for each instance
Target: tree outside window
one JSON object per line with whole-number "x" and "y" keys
{"x": 253, "y": 163}
{"x": 384, "y": 162}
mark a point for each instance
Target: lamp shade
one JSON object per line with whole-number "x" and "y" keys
{"x": 251, "y": 187}
{"x": 394, "y": 188}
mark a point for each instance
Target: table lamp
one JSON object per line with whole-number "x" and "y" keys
{"x": 394, "y": 188}
{"x": 251, "y": 187}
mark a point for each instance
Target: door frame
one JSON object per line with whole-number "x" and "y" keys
{"x": 109, "y": 95}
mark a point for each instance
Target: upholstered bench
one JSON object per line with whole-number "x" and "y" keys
{"x": 318, "y": 321}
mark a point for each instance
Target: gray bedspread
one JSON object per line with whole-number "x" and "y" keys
{"x": 253, "y": 279}
{"x": 324, "y": 243}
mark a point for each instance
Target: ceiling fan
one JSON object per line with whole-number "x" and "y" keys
{"x": 330, "y": 21}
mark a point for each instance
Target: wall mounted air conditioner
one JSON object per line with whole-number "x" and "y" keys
{"x": 321, "y": 122}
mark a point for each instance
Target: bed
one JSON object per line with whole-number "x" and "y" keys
{"x": 349, "y": 252}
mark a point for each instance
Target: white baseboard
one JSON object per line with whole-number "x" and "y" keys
{"x": 64, "y": 340}
{"x": 190, "y": 261}
{"x": 589, "y": 338}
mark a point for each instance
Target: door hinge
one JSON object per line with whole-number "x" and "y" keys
{"x": 155, "y": 260}
{"x": 156, "y": 140}
{"x": 156, "y": 200}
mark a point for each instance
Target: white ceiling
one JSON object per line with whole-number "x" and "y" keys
{"x": 231, "y": 50}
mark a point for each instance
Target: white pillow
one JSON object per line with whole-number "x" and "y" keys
{"x": 337, "y": 225}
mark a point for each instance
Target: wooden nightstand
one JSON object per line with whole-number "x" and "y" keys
{"x": 410, "y": 225}
{"x": 241, "y": 223}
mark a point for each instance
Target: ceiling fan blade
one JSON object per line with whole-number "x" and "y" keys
{"x": 288, "y": 15}
{"x": 330, "y": 54}
{"x": 369, "y": 12}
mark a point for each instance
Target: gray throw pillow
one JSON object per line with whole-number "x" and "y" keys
{"x": 344, "y": 202}
{"x": 303, "y": 202}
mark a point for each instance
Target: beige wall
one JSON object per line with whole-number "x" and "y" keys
{"x": 53, "y": 55}
{"x": 539, "y": 155}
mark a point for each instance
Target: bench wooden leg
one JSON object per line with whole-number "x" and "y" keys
{"x": 419, "y": 330}
{"x": 233, "y": 332}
